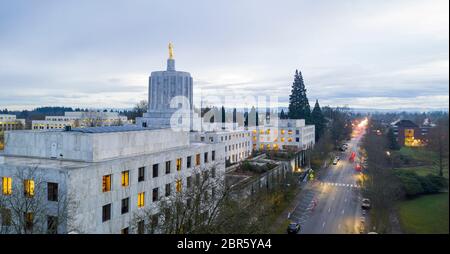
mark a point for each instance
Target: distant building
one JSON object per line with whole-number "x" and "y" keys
{"x": 285, "y": 135}
{"x": 80, "y": 119}
{"x": 10, "y": 122}
{"x": 407, "y": 133}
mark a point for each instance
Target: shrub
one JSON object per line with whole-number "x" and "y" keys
{"x": 414, "y": 184}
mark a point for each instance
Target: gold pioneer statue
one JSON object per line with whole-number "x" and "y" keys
{"x": 170, "y": 50}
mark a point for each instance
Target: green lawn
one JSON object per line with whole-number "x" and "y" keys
{"x": 425, "y": 170}
{"x": 418, "y": 154}
{"x": 425, "y": 215}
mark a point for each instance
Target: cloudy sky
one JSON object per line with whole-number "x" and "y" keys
{"x": 364, "y": 54}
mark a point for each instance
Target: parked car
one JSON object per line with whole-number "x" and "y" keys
{"x": 365, "y": 203}
{"x": 336, "y": 160}
{"x": 293, "y": 228}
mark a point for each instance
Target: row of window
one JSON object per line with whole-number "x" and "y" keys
{"x": 125, "y": 175}
{"x": 28, "y": 188}
{"x": 282, "y": 132}
{"x": 125, "y": 203}
{"x": 237, "y": 146}
{"x": 29, "y": 219}
{"x": 239, "y": 135}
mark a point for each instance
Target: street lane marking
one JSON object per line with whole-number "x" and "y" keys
{"x": 329, "y": 209}
{"x": 343, "y": 210}
{"x": 323, "y": 224}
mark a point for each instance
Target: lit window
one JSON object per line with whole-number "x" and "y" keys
{"x": 282, "y": 139}
{"x": 141, "y": 199}
{"x": 28, "y": 188}
{"x": 7, "y": 185}
{"x": 125, "y": 178}
{"x": 289, "y": 132}
{"x": 268, "y": 146}
{"x": 261, "y": 132}
{"x": 254, "y": 131}
{"x": 106, "y": 183}
{"x": 178, "y": 185}
{"x": 268, "y": 131}
{"x": 197, "y": 159}
{"x": 289, "y": 139}
{"x": 178, "y": 164}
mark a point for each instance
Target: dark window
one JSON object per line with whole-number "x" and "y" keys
{"x": 155, "y": 195}
{"x": 188, "y": 203}
{"x": 188, "y": 182}
{"x": 213, "y": 172}
{"x": 213, "y": 155}
{"x": 52, "y": 225}
{"x": 154, "y": 219}
{"x": 167, "y": 167}
{"x": 141, "y": 227}
{"x": 141, "y": 174}
{"x": 297, "y": 132}
{"x": 155, "y": 170}
{"x": 125, "y": 205}
{"x": 106, "y": 212}
{"x": 52, "y": 191}
{"x": 205, "y": 174}
{"x": 29, "y": 221}
{"x": 167, "y": 189}
{"x": 206, "y": 157}
{"x": 197, "y": 179}
{"x": 188, "y": 161}
{"x": 297, "y": 139}
{"x": 6, "y": 217}
{"x": 124, "y": 231}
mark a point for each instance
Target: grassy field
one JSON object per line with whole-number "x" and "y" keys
{"x": 425, "y": 170}
{"x": 425, "y": 215}
{"x": 418, "y": 154}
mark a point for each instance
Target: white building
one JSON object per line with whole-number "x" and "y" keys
{"x": 111, "y": 172}
{"x": 285, "y": 134}
{"x": 10, "y": 122}
{"x": 80, "y": 119}
{"x": 237, "y": 143}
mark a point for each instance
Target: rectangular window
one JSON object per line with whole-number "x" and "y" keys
{"x": 297, "y": 132}
{"x": 167, "y": 189}
{"x": 213, "y": 155}
{"x": 28, "y": 188}
{"x": 52, "y": 191}
{"x": 213, "y": 172}
{"x": 188, "y": 161}
{"x": 188, "y": 182}
{"x": 156, "y": 169}
{"x": 154, "y": 220}
{"x": 297, "y": 139}
{"x": 125, "y": 178}
{"x": 125, "y": 205}
{"x": 206, "y": 157}
{"x": 178, "y": 164}
{"x": 178, "y": 185}
{"x": 155, "y": 195}
{"x": 141, "y": 174}
{"x": 6, "y": 217}
{"x": 197, "y": 159}
{"x": 106, "y": 212}
{"x": 52, "y": 225}
{"x": 124, "y": 231}
{"x": 106, "y": 183}
{"x": 168, "y": 169}
{"x": 7, "y": 185}
{"x": 197, "y": 179}
{"x": 141, "y": 199}
{"x": 141, "y": 227}
{"x": 29, "y": 221}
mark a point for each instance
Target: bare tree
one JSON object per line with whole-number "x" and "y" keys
{"x": 26, "y": 209}
{"x": 438, "y": 143}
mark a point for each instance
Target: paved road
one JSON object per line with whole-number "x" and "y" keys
{"x": 331, "y": 204}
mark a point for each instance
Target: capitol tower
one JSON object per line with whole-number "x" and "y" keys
{"x": 170, "y": 101}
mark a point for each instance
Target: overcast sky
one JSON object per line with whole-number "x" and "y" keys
{"x": 365, "y": 54}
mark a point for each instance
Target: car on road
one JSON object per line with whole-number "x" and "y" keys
{"x": 293, "y": 228}
{"x": 336, "y": 160}
{"x": 365, "y": 203}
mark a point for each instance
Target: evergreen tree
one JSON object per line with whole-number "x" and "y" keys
{"x": 282, "y": 114}
{"x": 392, "y": 141}
{"x": 318, "y": 119}
{"x": 298, "y": 102}
{"x": 234, "y": 115}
